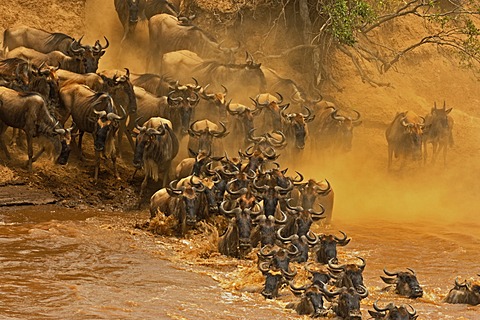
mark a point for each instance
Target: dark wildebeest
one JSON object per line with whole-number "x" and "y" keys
{"x": 183, "y": 202}
{"x": 348, "y": 275}
{"x": 334, "y": 128}
{"x": 311, "y": 300}
{"x": 327, "y": 249}
{"x": 16, "y": 72}
{"x": 205, "y": 136}
{"x": 241, "y": 123}
{"x": 294, "y": 126}
{"x": 393, "y": 312}
{"x": 128, "y": 12}
{"x": 119, "y": 86}
{"x": 438, "y": 132}
{"x": 312, "y": 193}
{"x": 167, "y": 33}
{"x": 155, "y": 148}
{"x": 467, "y": 292}
{"x": 236, "y": 240}
{"x": 53, "y": 58}
{"x": 406, "y": 283}
{"x": 347, "y": 307}
{"x": 95, "y": 113}
{"x": 404, "y": 137}
{"x": 28, "y": 112}
{"x": 276, "y": 83}
{"x": 271, "y": 107}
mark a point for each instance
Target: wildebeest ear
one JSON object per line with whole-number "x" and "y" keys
{"x": 448, "y": 110}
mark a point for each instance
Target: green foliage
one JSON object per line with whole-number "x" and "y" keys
{"x": 346, "y": 17}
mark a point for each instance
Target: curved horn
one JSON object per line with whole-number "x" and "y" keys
{"x": 363, "y": 264}
{"x": 284, "y": 239}
{"x": 391, "y": 274}
{"x": 220, "y": 134}
{"x": 412, "y": 271}
{"x": 280, "y": 98}
{"x": 377, "y": 308}
{"x": 335, "y": 266}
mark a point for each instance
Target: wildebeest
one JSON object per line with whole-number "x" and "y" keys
{"x": 327, "y": 250}
{"x": 128, "y": 13}
{"x": 274, "y": 280}
{"x": 271, "y": 107}
{"x": 348, "y": 275}
{"x": 204, "y": 136}
{"x": 404, "y": 137}
{"x": 119, "y": 86}
{"x": 15, "y": 72}
{"x": 241, "y": 123}
{"x": 236, "y": 240}
{"x": 313, "y": 193}
{"x": 46, "y": 42}
{"x": 393, "y": 312}
{"x": 53, "y": 58}
{"x": 438, "y": 132}
{"x": 334, "y": 128}
{"x": 183, "y": 202}
{"x": 92, "y": 80}
{"x": 244, "y": 79}
{"x": 167, "y": 33}
{"x": 294, "y": 126}
{"x": 406, "y": 283}
{"x": 37, "y": 39}
{"x": 311, "y": 300}
{"x": 158, "y": 85}
{"x": 95, "y": 113}
{"x": 347, "y": 306}
{"x": 155, "y": 148}
{"x": 467, "y": 292}
{"x": 28, "y": 112}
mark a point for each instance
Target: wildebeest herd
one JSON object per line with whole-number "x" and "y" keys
{"x": 236, "y": 117}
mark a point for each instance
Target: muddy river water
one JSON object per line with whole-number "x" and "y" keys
{"x": 60, "y": 263}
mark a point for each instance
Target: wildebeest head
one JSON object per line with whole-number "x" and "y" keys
{"x": 393, "y": 312}
{"x": 133, "y": 12}
{"x": 413, "y": 131}
{"x": 89, "y": 55}
{"x": 121, "y": 89}
{"x": 276, "y": 259}
{"x": 244, "y": 117}
{"x": 106, "y": 122}
{"x": 205, "y": 131}
{"x": 406, "y": 283}
{"x": 243, "y": 222}
{"x": 440, "y": 116}
{"x": 304, "y": 218}
{"x": 189, "y": 204}
{"x": 295, "y": 125}
{"x": 311, "y": 190}
{"x": 467, "y": 292}
{"x": 273, "y": 282}
{"x": 327, "y": 250}
{"x": 145, "y": 136}
{"x": 348, "y": 275}
{"x": 271, "y": 106}
{"x": 348, "y": 304}
{"x": 311, "y": 300}
{"x": 343, "y": 128}
{"x": 181, "y": 102}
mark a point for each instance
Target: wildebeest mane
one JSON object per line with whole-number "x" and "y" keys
{"x": 53, "y": 40}
{"x": 29, "y": 94}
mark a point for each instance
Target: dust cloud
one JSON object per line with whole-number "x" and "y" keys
{"x": 364, "y": 188}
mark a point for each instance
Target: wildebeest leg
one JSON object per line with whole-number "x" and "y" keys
{"x": 3, "y": 128}
{"x": 435, "y": 152}
{"x": 29, "y": 152}
{"x": 97, "y": 165}
{"x": 390, "y": 154}
{"x": 425, "y": 152}
{"x": 80, "y": 138}
{"x": 115, "y": 169}
{"x": 39, "y": 153}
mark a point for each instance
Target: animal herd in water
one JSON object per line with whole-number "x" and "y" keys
{"x": 236, "y": 118}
